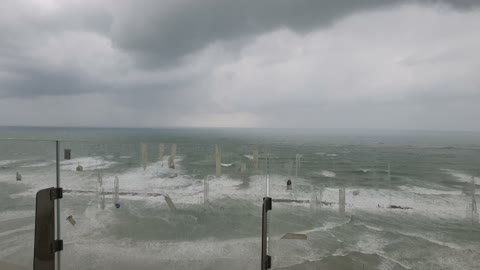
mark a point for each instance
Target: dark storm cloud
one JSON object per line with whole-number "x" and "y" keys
{"x": 38, "y": 81}
{"x": 247, "y": 62}
{"x": 20, "y": 18}
{"x": 158, "y": 33}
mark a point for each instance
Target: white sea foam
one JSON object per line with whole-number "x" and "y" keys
{"x": 326, "y": 173}
{"x": 249, "y": 157}
{"x": 370, "y": 243}
{"x": 183, "y": 189}
{"x": 447, "y": 206}
{"x": 39, "y": 164}
{"x": 17, "y": 230}
{"x": 188, "y": 190}
{"x": 373, "y": 228}
{"x": 88, "y": 163}
{"x": 7, "y": 162}
{"x": 192, "y": 254}
{"x": 154, "y": 179}
{"x": 12, "y": 214}
{"x": 432, "y": 240}
{"x": 386, "y": 265}
{"x": 423, "y": 201}
{"x": 326, "y": 227}
{"x": 429, "y": 191}
{"x": 461, "y": 176}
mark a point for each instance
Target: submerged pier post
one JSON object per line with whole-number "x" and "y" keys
{"x": 474, "y": 203}
{"x": 173, "y": 154}
{"x": 218, "y": 160}
{"x": 243, "y": 168}
{"x": 143, "y": 149}
{"x": 389, "y": 179}
{"x": 161, "y": 151}
{"x": 205, "y": 192}
{"x": 100, "y": 191}
{"x": 102, "y": 198}
{"x": 116, "y": 190}
{"x": 313, "y": 200}
{"x": 297, "y": 164}
{"x": 341, "y": 201}
{"x": 320, "y": 197}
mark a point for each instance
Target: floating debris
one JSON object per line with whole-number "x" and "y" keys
{"x": 170, "y": 203}
{"x": 295, "y": 236}
{"x": 71, "y": 220}
{"x": 356, "y": 192}
{"x": 399, "y": 207}
{"x": 19, "y": 177}
{"x": 79, "y": 168}
{"x": 289, "y": 184}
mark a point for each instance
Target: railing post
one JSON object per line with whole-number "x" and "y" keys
{"x": 266, "y": 260}
{"x": 57, "y": 148}
{"x": 45, "y": 245}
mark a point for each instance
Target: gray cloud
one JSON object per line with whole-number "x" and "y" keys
{"x": 279, "y": 63}
{"x": 39, "y": 81}
{"x": 159, "y": 33}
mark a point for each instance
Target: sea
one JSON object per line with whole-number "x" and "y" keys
{"x": 191, "y": 198}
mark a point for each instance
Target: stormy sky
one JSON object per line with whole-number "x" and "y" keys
{"x": 376, "y": 64}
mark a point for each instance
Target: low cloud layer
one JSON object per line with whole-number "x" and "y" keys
{"x": 354, "y": 64}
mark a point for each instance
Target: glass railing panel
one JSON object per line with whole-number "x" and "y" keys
{"x": 174, "y": 206}
{"x": 405, "y": 208}
{"x": 302, "y": 181}
{"x": 25, "y": 168}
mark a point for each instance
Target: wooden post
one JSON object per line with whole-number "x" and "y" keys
{"x": 341, "y": 201}
{"x": 161, "y": 151}
{"x": 255, "y": 159}
{"x": 173, "y": 154}
{"x": 143, "y": 148}
{"x": 218, "y": 160}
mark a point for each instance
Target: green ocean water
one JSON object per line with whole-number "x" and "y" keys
{"x": 217, "y": 221}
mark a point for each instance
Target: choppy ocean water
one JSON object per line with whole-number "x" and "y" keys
{"x": 217, "y": 221}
